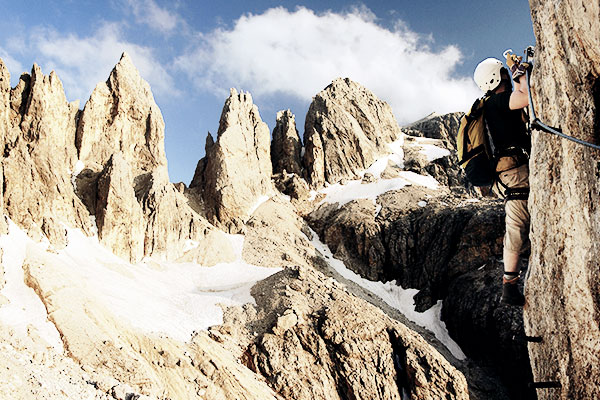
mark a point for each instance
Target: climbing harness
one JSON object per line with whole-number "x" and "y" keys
{"x": 539, "y": 125}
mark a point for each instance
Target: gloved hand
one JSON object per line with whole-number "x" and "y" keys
{"x": 517, "y": 68}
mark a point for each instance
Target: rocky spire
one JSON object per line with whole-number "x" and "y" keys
{"x": 121, "y": 115}
{"x": 40, "y": 154}
{"x": 286, "y": 146}
{"x": 346, "y": 128}
{"x": 237, "y": 169}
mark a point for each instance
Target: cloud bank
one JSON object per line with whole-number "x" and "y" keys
{"x": 82, "y": 62}
{"x": 149, "y": 13}
{"x": 300, "y": 52}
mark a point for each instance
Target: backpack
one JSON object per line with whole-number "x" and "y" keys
{"x": 475, "y": 146}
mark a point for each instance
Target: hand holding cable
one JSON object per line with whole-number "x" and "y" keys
{"x": 515, "y": 64}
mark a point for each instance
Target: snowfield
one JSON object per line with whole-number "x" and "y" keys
{"x": 173, "y": 299}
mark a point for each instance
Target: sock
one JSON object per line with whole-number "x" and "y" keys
{"x": 510, "y": 277}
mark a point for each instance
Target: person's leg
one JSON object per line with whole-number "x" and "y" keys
{"x": 517, "y": 229}
{"x": 516, "y": 236}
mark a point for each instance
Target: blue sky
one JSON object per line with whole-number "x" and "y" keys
{"x": 416, "y": 55}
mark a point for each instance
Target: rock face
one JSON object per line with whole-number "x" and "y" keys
{"x": 39, "y": 156}
{"x": 419, "y": 247}
{"x": 118, "y": 214}
{"x": 346, "y": 128}
{"x": 124, "y": 183}
{"x": 236, "y": 171}
{"x": 485, "y": 328}
{"x": 442, "y": 128}
{"x": 563, "y": 289}
{"x": 322, "y": 343}
{"x": 121, "y": 136}
{"x": 286, "y": 146}
{"x": 121, "y": 116}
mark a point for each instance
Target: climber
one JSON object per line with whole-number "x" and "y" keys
{"x": 511, "y": 145}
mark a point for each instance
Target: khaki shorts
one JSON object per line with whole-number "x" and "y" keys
{"x": 516, "y": 238}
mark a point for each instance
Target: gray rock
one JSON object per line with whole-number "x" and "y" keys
{"x": 485, "y": 328}
{"x": 286, "y": 146}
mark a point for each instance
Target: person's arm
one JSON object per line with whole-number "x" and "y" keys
{"x": 519, "y": 98}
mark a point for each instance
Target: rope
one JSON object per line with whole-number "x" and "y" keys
{"x": 539, "y": 125}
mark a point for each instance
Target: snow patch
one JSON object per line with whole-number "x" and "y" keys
{"x": 258, "y": 203}
{"x": 397, "y": 297}
{"x": 354, "y": 190}
{"x": 174, "y": 299}
{"x": 433, "y": 152}
{"x": 25, "y": 307}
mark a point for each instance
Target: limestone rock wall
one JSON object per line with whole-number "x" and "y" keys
{"x": 118, "y": 140}
{"x": 320, "y": 342}
{"x": 4, "y": 128}
{"x": 346, "y": 128}
{"x": 236, "y": 171}
{"x": 39, "y": 157}
{"x": 118, "y": 214}
{"x": 121, "y": 116}
{"x": 563, "y": 288}
{"x": 286, "y": 146}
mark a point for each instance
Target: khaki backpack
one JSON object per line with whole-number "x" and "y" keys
{"x": 475, "y": 146}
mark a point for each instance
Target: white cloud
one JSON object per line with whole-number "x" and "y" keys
{"x": 82, "y": 62}
{"x": 149, "y": 13}
{"x": 299, "y": 53}
{"x": 14, "y": 66}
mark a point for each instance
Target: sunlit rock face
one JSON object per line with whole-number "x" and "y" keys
{"x": 40, "y": 157}
{"x": 563, "y": 289}
{"x": 346, "y": 128}
{"x": 236, "y": 171}
{"x": 121, "y": 116}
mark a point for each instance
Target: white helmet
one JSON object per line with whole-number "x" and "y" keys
{"x": 487, "y": 74}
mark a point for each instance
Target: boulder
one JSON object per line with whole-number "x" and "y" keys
{"x": 286, "y": 146}
{"x": 563, "y": 289}
{"x": 346, "y": 128}
{"x": 236, "y": 171}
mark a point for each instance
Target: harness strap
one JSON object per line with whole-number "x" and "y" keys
{"x": 516, "y": 194}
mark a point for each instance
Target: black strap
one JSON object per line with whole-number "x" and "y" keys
{"x": 511, "y": 273}
{"x": 516, "y": 194}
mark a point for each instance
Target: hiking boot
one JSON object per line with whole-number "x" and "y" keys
{"x": 510, "y": 292}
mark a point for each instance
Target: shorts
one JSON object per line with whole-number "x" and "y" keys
{"x": 516, "y": 238}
